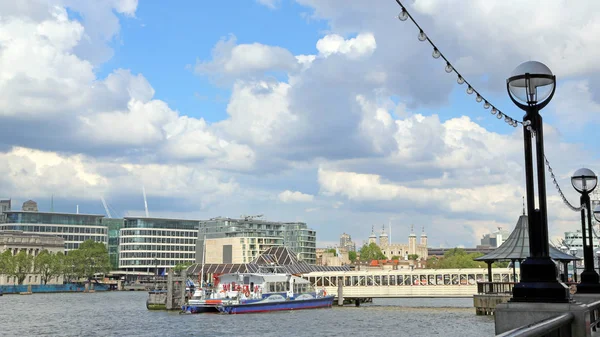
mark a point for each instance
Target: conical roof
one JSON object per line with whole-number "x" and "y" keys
{"x": 516, "y": 247}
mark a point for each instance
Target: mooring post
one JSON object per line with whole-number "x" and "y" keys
{"x": 170, "y": 285}
{"x": 340, "y": 294}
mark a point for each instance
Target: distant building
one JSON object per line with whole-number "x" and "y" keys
{"x": 294, "y": 235}
{"x": 325, "y": 257}
{"x": 238, "y": 249}
{"x": 73, "y": 228}
{"x": 4, "y": 207}
{"x": 32, "y": 244}
{"x": 152, "y": 245}
{"x": 347, "y": 243}
{"x": 30, "y": 206}
{"x": 114, "y": 226}
{"x": 495, "y": 239}
{"x": 402, "y": 250}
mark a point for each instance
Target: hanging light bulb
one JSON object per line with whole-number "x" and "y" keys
{"x": 500, "y": 115}
{"x": 470, "y": 90}
{"x": 486, "y": 105}
{"x": 506, "y": 118}
{"x": 494, "y": 110}
{"x": 448, "y": 67}
{"x": 436, "y": 53}
{"x": 403, "y": 15}
{"x": 422, "y": 36}
{"x": 460, "y": 80}
{"x": 478, "y": 98}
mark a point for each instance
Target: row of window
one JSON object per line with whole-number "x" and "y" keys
{"x": 189, "y": 241}
{"x": 180, "y": 248}
{"x": 376, "y": 280}
{"x": 56, "y": 229}
{"x": 161, "y": 223}
{"x": 151, "y": 263}
{"x": 159, "y": 232}
{"x": 153, "y": 255}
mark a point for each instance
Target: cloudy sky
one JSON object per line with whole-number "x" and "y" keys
{"x": 325, "y": 111}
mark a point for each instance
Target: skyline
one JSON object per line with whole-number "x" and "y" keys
{"x": 316, "y": 111}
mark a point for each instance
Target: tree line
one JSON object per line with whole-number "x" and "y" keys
{"x": 83, "y": 263}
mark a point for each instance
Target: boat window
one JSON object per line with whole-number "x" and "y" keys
{"x": 271, "y": 287}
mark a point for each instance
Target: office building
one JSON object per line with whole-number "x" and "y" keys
{"x": 258, "y": 235}
{"x": 347, "y": 243}
{"x": 495, "y": 239}
{"x": 30, "y": 206}
{"x": 152, "y": 245}
{"x": 73, "y": 228}
{"x": 114, "y": 226}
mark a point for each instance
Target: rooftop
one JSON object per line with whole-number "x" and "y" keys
{"x": 53, "y": 213}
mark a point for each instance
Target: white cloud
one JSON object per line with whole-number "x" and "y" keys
{"x": 363, "y": 45}
{"x": 232, "y": 60}
{"x": 294, "y": 196}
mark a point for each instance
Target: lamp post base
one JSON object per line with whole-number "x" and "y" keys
{"x": 590, "y": 283}
{"x": 539, "y": 283}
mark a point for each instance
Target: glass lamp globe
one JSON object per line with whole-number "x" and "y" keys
{"x": 531, "y": 82}
{"x": 597, "y": 213}
{"x": 584, "y": 180}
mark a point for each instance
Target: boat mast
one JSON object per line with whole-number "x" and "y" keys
{"x": 203, "y": 259}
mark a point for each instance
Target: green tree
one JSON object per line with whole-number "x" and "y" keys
{"x": 371, "y": 252}
{"x": 456, "y": 258}
{"x": 23, "y": 264}
{"x": 413, "y": 256}
{"x": 7, "y": 263}
{"x": 331, "y": 250}
{"x": 352, "y": 256}
{"x": 89, "y": 259}
{"x": 181, "y": 266}
{"x": 47, "y": 265}
{"x": 396, "y": 257}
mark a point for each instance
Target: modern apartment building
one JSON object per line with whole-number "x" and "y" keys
{"x": 153, "y": 245}
{"x": 254, "y": 237}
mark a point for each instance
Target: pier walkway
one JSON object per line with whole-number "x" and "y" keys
{"x": 406, "y": 283}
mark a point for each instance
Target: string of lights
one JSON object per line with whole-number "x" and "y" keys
{"x": 560, "y": 192}
{"x": 403, "y": 16}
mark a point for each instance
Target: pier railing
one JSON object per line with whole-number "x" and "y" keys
{"x": 495, "y": 287}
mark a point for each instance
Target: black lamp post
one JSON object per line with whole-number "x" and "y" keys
{"x": 531, "y": 87}
{"x": 584, "y": 181}
{"x": 574, "y": 253}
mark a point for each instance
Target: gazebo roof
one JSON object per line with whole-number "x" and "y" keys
{"x": 516, "y": 247}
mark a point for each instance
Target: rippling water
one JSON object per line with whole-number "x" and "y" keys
{"x": 125, "y": 314}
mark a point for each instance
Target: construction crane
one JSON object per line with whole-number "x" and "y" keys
{"x": 145, "y": 202}
{"x": 105, "y": 207}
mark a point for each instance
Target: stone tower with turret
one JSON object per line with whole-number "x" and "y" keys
{"x": 383, "y": 238}
{"x": 373, "y": 237}
{"x": 412, "y": 241}
{"x": 423, "y": 237}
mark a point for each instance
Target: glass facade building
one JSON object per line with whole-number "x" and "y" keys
{"x": 153, "y": 245}
{"x": 74, "y": 228}
{"x": 296, "y": 235}
{"x": 114, "y": 231}
{"x": 4, "y": 207}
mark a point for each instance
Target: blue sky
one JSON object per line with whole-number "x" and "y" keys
{"x": 308, "y": 110}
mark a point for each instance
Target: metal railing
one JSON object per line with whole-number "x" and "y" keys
{"x": 495, "y": 287}
{"x": 558, "y": 326}
{"x": 594, "y": 316}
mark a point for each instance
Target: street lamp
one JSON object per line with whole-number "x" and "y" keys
{"x": 531, "y": 86}
{"x": 574, "y": 253}
{"x": 584, "y": 181}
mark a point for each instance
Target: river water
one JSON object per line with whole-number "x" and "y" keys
{"x": 125, "y": 314}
